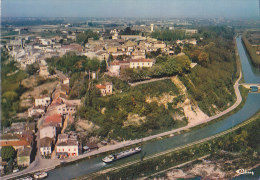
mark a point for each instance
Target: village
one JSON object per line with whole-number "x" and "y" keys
{"x": 48, "y": 136}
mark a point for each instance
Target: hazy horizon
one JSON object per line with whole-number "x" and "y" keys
{"x": 131, "y": 8}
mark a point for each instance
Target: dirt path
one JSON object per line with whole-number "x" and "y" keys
{"x": 148, "y": 81}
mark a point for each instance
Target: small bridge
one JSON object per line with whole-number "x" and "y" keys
{"x": 248, "y": 85}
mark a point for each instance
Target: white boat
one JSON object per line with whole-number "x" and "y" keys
{"x": 26, "y": 178}
{"x": 40, "y": 175}
{"x": 114, "y": 157}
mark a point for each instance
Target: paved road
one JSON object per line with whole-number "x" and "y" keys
{"x": 44, "y": 164}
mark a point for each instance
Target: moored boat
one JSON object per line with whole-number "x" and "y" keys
{"x": 120, "y": 155}
{"x": 40, "y": 175}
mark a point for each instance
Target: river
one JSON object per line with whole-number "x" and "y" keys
{"x": 252, "y": 105}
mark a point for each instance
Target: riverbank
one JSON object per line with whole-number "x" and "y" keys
{"x": 191, "y": 152}
{"x": 251, "y": 51}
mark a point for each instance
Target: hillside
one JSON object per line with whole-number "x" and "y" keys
{"x": 190, "y": 95}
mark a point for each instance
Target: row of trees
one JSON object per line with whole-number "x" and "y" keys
{"x": 169, "y": 35}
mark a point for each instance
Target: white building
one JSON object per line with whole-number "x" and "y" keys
{"x": 67, "y": 148}
{"x": 114, "y": 68}
{"x": 44, "y": 101}
{"x": 65, "y": 109}
{"x": 152, "y": 27}
{"x": 46, "y": 146}
{"x": 36, "y": 110}
{"x": 106, "y": 88}
{"x": 48, "y": 131}
{"x": 140, "y": 63}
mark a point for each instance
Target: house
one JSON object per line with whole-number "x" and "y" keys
{"x": 90, "y": 146}
{"x": 137, "y": 54}
{"x": 66, "y": 81}
{"x": 42, "y": 101}
{"x": 23, "y": 156}
{"x": 53, "y": 120}
{"x": 192, "y": 41}
{"x": 140, "y": 63}
{"x": 132, "y": 37}
{"x": 191, "y": 31}
{"x": 72, "y": 47}
{"x": 43, "y": 71}
{"x": 17, "y": 128}
{"x": 48, "y": 131}
{"x": 114, "y": 68}
{"x": 62, "y": 138}
{"x": 46, "y": 145}
{"x": 112, "y": 50}
{"x": 17, "y": 144}
{"x": 30, "y": 127}
{"x": 67, "y": 148}
{"x": 106, "y": 88}
{"x": 65, "y": 109}
{"x": 159, "y": 45}
{"x": 36, "y": 110}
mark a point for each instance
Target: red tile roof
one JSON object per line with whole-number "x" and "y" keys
{"x": 100, "y": 86}
{"x": 53, "y": 119}
{"x": 141, "y": 60}
{"x": 14, "y": 143}
{"x": 114, "y": 63}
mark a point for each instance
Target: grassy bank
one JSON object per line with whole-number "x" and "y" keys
{"x": 240, "y": 139}
{"x": 251, "y": 51}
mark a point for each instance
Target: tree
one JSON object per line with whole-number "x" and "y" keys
{"x": 103, "y": 66}
{"x": 128, "y": 31}
{"x": 51, "y": 70}
{"x": 7, "y": 153}
{"x": 177, "y": 50}
{"x": 203, "y": 58}
{"x": 32, "y": 69}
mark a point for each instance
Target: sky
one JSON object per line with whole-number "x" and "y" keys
{"x": 131, "y": 8}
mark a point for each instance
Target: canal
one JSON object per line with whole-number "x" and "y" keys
{"x": 252, "y": 105}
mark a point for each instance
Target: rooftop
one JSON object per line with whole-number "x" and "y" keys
{"x": 14, "y": 143}
{"x": 46, "y": 142}
{"x": 100, "y": 86}
{"x": 56, "y": 118}
{"x": 24, "y": 152}
{"x": 141, "y": 60}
